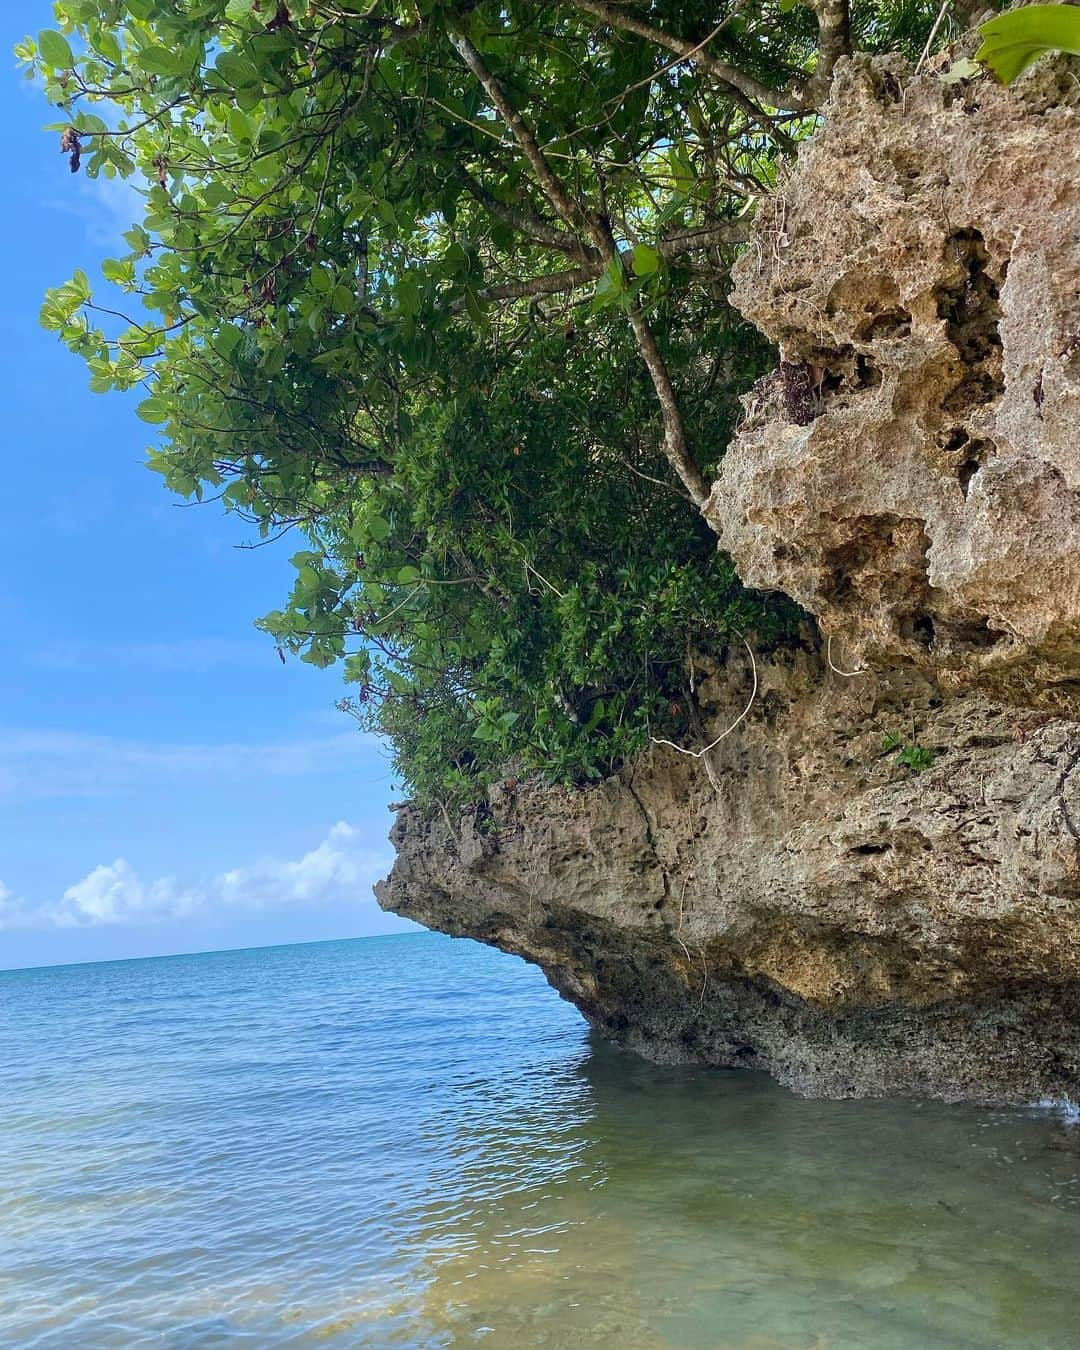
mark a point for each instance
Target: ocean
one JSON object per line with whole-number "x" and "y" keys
{"x": 409, "y": 1141}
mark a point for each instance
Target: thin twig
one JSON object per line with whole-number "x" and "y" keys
{"x": 739, "y": 81}
{"x": 540, "y": 576}
{"x": 449, "y": 826}
{"x": 933, "y": 34}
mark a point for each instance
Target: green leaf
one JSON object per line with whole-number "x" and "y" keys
{"x": 55, "y": 49}
{"x": 1014, "y": 41}
{"x": 318, "y": 655}
{"x": 407, "y": 575}
{"x": 137, "y": 239}
{"x": 681, "y": 169}
{"x": 596, "y": 716}
{"x": 609, "y": 285}
{"x": 961, "y": 70}
{"x": 236, "y": 70}
{"x": 91, "y": 124}
{"x": 160, "y": 61}
{"x": 378, "y": 528}
{"x": 273, "y": 361}
{"x": 645, "y": 260}
{"x": 107, "y": 45}
{"x": 474, "y": 308}
{"x": 228, "y": 338}
{"x": 118, "y": 271}
{"x": 304, "y": 558}
{"x": 407, "y": 291}
{"x": 239, "y": 125}
{"x": 152, "y": 410}
{"x": 358, "y": 668}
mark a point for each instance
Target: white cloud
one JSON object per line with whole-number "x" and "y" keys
{"x": 339, "y": 870}
{"x": 337, "y": 867}
{"x": 52, "y": 764}
{"x": 113, "y": 893}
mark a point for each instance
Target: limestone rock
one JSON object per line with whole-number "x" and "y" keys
{"x": 827, "y": 915}
{"x": 911, "y": 475}
{"x": 805, "y": 903}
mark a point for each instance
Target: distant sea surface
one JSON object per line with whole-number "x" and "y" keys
{"x": 408, "y": 1141}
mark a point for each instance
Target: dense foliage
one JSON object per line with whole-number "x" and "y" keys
{"x": 440, "y": 289}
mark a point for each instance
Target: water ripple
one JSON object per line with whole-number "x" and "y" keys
{"x": 411, "y": 1142}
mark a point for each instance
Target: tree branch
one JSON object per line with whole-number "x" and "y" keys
{"x": 527, "y": 222}
{"x": 570, "y": 210}
{"x": 834, "y": 41}
{"x": 701, "y": 236}
{"x": 675, "y": 444}
{"x": 736, "y": 79}
{"x": 551, "y": 283}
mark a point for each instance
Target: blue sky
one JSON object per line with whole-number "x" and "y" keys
{"x": 166, "y": 785}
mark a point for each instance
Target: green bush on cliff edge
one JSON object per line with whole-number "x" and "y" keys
{"x": 439, "y": 290}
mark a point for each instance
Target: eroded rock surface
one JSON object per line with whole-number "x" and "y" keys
{"x": 912, "y": 473}
{"x": 825, "y": 914}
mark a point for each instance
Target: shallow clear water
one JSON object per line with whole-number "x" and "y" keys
{"x": 412, "y": 1142}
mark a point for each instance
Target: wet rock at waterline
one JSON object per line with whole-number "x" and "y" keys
{"x": 823, "y": 913}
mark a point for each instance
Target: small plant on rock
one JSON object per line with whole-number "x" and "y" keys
{"x": 910, "y": 754}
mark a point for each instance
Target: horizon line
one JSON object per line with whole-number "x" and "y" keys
{"x": 213, "y": 951}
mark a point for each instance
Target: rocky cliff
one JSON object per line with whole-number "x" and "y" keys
{"x": 911, "y": 474}
{"x": 854, "y": 918}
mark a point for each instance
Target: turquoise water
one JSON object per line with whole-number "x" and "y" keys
{"x": 412, "y": 1142}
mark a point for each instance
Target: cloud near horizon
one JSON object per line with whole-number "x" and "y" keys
{"x": 339, "y": 870}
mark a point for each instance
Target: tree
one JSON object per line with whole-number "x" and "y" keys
{"x": 443, "y": 288}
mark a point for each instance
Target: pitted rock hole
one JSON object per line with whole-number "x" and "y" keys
{"x": 968, "y": 301}
{"x": 890, "y": 323}
{"x": 969, "y": 455}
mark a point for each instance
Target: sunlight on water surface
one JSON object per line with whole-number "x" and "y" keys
{"x": 412, "y": 1142}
